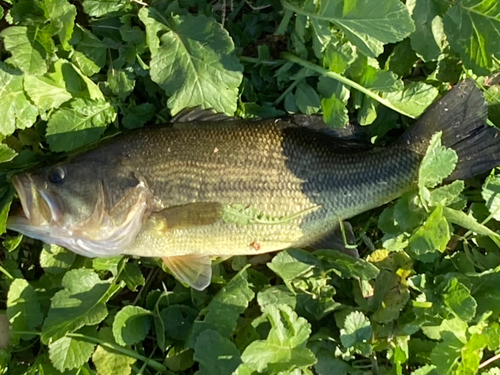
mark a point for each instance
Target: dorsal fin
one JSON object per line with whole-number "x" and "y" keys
{"x": 192, "y": 114}
{"x": 350, "y": 136}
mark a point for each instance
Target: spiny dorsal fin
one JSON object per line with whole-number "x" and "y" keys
{"x": 190, "y": 215}
{"x": 193, "y": 114}
{"x": 349, "y": 136}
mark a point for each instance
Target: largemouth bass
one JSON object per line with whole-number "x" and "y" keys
{"x": 194, "y": 190}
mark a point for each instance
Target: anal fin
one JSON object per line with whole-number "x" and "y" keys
{"x": 193, "y": 270}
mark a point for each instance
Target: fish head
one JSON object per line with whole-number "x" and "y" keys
{"x": 86, "y": 206}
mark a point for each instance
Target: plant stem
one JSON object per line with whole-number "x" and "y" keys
{"x": 284, "y": 22}
{"x": 285, "y": 93}
{"x": 6, "y": 273}
{"x": 346, "y": 81}
{"x": 255, "y": 60}
{"x": 490, "y": 360}
{"x": 107, "y": 345}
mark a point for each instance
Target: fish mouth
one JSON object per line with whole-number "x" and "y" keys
{"x": 39, "y": 206}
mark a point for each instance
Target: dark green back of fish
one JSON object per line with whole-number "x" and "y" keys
{"x": 273, "y": 166}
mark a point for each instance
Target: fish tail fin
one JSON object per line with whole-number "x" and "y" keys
{"x": 461, "y": 117}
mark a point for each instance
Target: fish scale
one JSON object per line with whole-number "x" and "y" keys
{"x": 297, "y": 173}
{"x": 189, "y": 191}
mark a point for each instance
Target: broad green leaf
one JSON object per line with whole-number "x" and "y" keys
{"x": 473, "y": 29}
{"x": 402, "y": 58}
{"x": 131, "y": 325}
{"x": 391, "y": 294}
{"x": 485, "y": 292}
{"x": 437, "y": 164}
{"x": 328, "y": 363}
{"x": 459, "y": 300}
{"x": 491, "y": 195}
{"x": 456, "y": 325}
{"x": 307, "y": 99}
{"x": 338, "y": 55}
{"x": 414, "y": 99}
{"x": 68, "y": 77}
{"x": 48, "y": 91}
{"x": 492, "y": 97}
{"x": 426, "y": 370}
{"x": 16, "y": 111}
{"x": 26, "y": 12}
{"x": 110, "y": 264}
{"x": 121, "y": 82}
{"x": 82, "y": 302}
{"x": 55, "y": 259}
{"x": 109, "y": 362}
{"x": 491, "y": 371}
{"x": 98, "y": 8}
{"x": 23, "y": 308}
{"x": 367, "y": 24}
{"x": 84, "y": 64}
{"x": 6, "y": 153}
{"x": 283, "y": 349}
{"x": 292, "y": 263}
{"x": 68, "y": 353}
{"x": 4, "y": 335}
{"x": 492, "y": 333}
{"x": 1, "y": 13}
{"x": 62, "y": 15}
{"x": 222, "y": 312}
{"x": 357, "y": 330}
{"x": 179, "y": 358}
{"x": 447, "y": 195}
{"x": 84, "y": 122}
{"x": 346, "y": 266}
{"x": 472, "y": 354}
{"x": 387, "y": 223}
{"x": 30, "y": 47}
{"x": 178, "y": 320}
{"x": 277, "y": 295}
{"x": 408, "y": 213}
{"x": 215, "y": 354}
{"x": 317, "y": 301}
{"x": 132, "y": 276}
{"x": 90, "y": 52}
{"x": 193, "y": 60}
{"x": 6, "y": 197}
{"x": 450, "y": 67}
{"x": 334, "y": 102}
{"x": 432, "y": 236}
{"x": 427, "y": 40}
{"x": 367, "y": 72}
{"x": 468, "y": 222}
{"x": 288, "y": 329}
{"x": 137, "y": 116}
{"x": 452, "y": 356}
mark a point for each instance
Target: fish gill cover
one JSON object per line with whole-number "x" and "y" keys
{"x": 423, "y": 298}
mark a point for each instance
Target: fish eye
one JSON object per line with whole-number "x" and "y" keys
{"x": 56, "y": 175}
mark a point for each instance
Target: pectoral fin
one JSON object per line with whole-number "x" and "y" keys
{"x": 190, "y": 215}
{"x": 194, "y": 270}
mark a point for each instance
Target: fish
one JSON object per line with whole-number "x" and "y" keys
{"x": 207, "y": 186}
